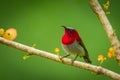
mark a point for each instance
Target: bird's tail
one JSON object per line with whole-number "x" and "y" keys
{"x": 86, "y": 58}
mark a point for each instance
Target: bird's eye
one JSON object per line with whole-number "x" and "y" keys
{"x": 70, "y": 30}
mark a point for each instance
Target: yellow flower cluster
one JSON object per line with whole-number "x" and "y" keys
{"x": 110, "y": 54}
{"x": 57, "y": 50}
{"x": 9, "y": 34}
{"x": 25, "y": 57}
{"x": 28, "y": 55}
{"x": 101, "y": 58}
{"x": 1, "y": 31}
{"x": 106, "y": 7}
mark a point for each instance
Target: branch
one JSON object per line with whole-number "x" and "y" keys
{"x": 107, "y": 27}
{"x": 51, "y": 56}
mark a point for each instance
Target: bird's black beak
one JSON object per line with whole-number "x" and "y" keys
{"x": 64, "y": 27}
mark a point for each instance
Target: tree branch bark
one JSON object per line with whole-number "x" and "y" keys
{"x": 51, "y": 56}
{"x": 107, "y": 27}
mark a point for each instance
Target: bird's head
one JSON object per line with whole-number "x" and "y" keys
{"x": 70, "y": 35}
{"x": 68, "y": 29}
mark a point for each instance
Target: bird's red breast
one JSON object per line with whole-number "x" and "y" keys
{"x": 70, "y": 36}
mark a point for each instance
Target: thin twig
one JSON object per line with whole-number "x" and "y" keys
{"x": 107, "y": 27}
{"x": 51, "y": 56}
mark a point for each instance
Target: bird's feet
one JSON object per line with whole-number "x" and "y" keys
{"x": 61, "y": 58}
{"x": 72, "y": 61}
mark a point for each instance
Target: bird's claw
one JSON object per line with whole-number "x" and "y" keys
{"x": 72, "y": 61}
{"x": 61, "y": 58}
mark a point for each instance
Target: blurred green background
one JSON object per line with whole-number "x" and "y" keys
{"x": 39, "y": 21}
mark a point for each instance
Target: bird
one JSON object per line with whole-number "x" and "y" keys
{"x": 73, "y": 45}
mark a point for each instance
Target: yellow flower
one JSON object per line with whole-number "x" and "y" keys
{"x": 34, "y": 45}
{"x": 105, "y": 6}
{"x": 25, "y": 57}
{"x": 57, "y": 50}
{"x": 108, "y": 3}
{"x": 110, "y": 55}
{"x": 111, "y": 49}
{"x": 111, "y": 52}
{"x": 1, "y": 31}
{"x": 101, "y": 58}
{"x": 107, "y": 12}
{"x": 10, "y": 34}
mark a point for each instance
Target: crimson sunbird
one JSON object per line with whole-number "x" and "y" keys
{"x": 73, "y": 44}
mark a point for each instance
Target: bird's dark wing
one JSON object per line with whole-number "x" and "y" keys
{"x": 86, "y": 57}
{"x": 82, "y": 44}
